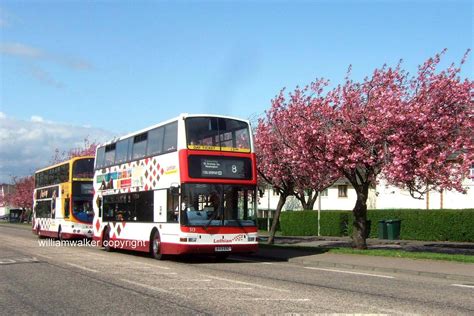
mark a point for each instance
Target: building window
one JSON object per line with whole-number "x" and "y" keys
{"x": 342, "y": 190}
{"x": 324, "y": 192}
{"x": 275, "y": 192}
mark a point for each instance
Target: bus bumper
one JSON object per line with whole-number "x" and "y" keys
{"x": 180, "y": 249}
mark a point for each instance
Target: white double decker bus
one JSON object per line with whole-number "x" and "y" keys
{"x": 187, "y": 185}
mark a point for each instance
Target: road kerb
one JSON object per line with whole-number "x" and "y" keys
{"x": 390, "y": 270}
{"x": 302, "y": 261}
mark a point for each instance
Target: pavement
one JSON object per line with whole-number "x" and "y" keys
{"x": 315, "y": 254}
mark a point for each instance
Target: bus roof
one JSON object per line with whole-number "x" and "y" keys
{"x": 64, "y": 162}
{"x": 181, "y": 116}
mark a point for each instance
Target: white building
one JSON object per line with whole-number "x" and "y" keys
{"x": 4, "y": 208}
{"x": 342, "y": 196}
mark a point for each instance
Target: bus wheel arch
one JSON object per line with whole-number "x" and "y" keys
{"x": 155, "y": 245}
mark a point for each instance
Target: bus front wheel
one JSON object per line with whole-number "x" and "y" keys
{"x": 155, "y": 247}
{"x": 106, "y": 241}
{"x": 60, "y": 235}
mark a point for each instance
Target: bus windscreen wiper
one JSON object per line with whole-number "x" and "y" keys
{"x": 213, "y": 217}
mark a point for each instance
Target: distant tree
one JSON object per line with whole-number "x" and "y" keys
{"x": 390, "y": 125}
{"x": 21, "y": 196}
{"x": 87, "y": 149}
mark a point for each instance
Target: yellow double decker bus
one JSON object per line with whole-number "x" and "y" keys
{"x": 62, "y": 199}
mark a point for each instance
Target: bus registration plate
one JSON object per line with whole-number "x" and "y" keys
{"x": 220, "y": 249}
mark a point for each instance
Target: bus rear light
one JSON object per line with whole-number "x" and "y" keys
{"x": 183, "y": 239}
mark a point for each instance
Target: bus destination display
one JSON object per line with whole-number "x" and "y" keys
{"x": 219, "y": 167}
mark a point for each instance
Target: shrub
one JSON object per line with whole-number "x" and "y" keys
{"x": 299, "y": 223}
{"x": 416, "y": 224}
{"x": 334, "y": 223}
{"x": 262, "y": 224}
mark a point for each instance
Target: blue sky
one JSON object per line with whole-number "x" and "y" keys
{"x": 119, "y": 66}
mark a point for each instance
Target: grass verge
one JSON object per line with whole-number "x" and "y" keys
{"x": 378, "y": 252}
{"x": 405, "y": 254}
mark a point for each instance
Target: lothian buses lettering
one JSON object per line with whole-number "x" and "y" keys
{"x": 171, "y": 170}
{"x": 235, "y": 239}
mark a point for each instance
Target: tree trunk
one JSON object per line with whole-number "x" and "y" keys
{"x": 307, "y": 204}
{"x": 276, "y": 218}
{"x": 360, "y": 232}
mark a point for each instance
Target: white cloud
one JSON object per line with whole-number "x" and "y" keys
{"x": 44, "y": 77}
{"x": 5, "y": 18}
{"x": 36, "y": 58}
{"x": 36, "y": 118}
{"x": 21, "y": 50}
{"x": 26, "y": 146}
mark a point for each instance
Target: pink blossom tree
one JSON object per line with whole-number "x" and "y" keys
{"x": 283, "y": 167}
{"x": 22, "y": 195}
{"x": 389, "y": 125}
{"x": 437, "y": 147}
{"x": 88, "y": 149}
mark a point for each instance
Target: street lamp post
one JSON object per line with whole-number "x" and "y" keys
{"x": 319, "y": 214}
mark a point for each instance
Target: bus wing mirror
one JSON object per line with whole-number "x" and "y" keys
{"x": 174, "y": 189}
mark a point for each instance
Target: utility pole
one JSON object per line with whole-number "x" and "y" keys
{"x": 268, "y": 208}
{"x": 319, "y": 214}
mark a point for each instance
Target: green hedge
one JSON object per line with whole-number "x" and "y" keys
{"x": 299, "y": 223}
{"x": 334, "y": 223}
{"x": 262, "y": 224}
{"x": 435, "y": 225}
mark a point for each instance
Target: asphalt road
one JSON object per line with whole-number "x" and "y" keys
{"x": 37, "y": 279}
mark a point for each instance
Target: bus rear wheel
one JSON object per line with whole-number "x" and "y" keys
{"x": 155, "y": 247}
{"x": 38, "y": 231}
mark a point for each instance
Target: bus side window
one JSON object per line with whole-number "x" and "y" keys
{"x": 99, "y": 206}
{"x": 66, "y": 208}
{"x": 172, "y": 207}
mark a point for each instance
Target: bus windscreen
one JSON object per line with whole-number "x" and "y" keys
{"x": 82, "y": 193}
{"x": 219, "y": 134}
{"x": 217, "y": 205}
{"x": 83, "y": 169}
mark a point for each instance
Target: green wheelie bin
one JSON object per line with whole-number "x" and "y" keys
{"x": 382, "y": 229}
{"x": 393, "y": 229}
